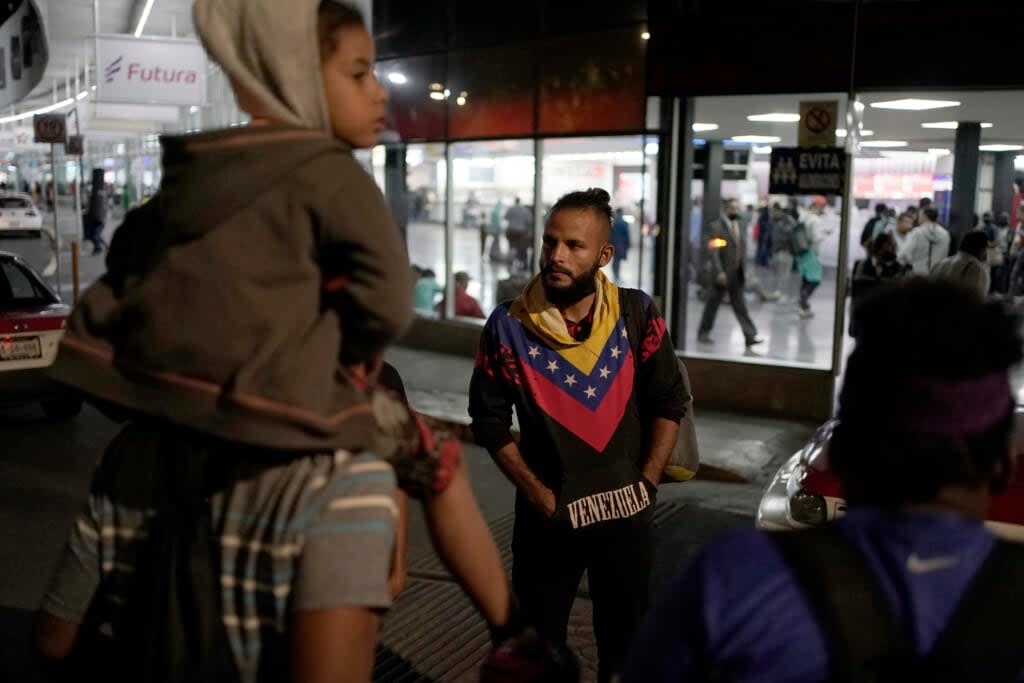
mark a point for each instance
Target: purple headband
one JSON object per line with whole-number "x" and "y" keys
{"x": 951, "y": 408}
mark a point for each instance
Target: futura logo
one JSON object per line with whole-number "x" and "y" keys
{"x": 113, "y": 69}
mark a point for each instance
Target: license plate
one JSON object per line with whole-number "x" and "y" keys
{"x": 24, "y": 348}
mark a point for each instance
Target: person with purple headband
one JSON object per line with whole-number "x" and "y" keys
{"x": 909, "y": 584}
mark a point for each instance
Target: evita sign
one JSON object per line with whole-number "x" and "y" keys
{"x": 150, "y": 71}
{"x": 807, "y": 170}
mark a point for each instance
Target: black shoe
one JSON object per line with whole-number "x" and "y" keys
{"x": 754, "y": 341}
{"x": 705, "y": 339}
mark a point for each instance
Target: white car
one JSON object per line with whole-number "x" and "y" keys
{"x": 32, "y": 321}
{"x": 18, "y": 213}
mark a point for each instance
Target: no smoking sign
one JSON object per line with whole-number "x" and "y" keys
{"x": 818, "y": 124}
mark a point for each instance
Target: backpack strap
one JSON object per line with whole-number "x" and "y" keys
{"x": 984, "y": 639}
{"x": 865, "y": 639}
{"x": 634, "y": 313}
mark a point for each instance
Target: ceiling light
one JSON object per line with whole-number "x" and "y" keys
{"x": 44, "y": 110}
{"x": 651, "y": 148}
{"x": 883, "y": 143}
{"x": 704, "y": 127}
{"x": 646, "y": 35}
{"x": 1000, "y": 148}
{"x": 447, "y": 93}
{"x": 905, "y": 154}
{"x": 938, "y": 151}
{"x": 144, "y": 17}
{"x": 436, "y": 86}
{"x": 949, "y": 125}
{"x": 756, "y": 139}
{"x": 774, "y": 118}
{"x": 914, "y": 104}
{"x": 864, "y": 133}
{"x": 858, "y": 105}
{"x": 435, "y": 95}
{"x": 398, "y": 78}
{"x": 460, "y": 100}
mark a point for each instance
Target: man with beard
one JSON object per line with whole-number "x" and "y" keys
{"x": 726, "y": 250}
{"x": 599, "y": 395}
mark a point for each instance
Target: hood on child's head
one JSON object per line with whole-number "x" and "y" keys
{"x": 269, "y": 49}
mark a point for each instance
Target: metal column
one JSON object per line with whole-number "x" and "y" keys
{"x": 965, "y": 180}
{"x": 1002, "y": 183}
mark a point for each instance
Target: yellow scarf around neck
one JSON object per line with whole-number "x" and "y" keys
{"x": 542, "y": 318}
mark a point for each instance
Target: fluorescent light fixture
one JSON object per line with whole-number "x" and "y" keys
{"x": 651, "y": 148}
{"x": 949, "y": 125}
{"x": 144, "y": 17}
{"x": 762, "y": 150}
{"x": 646, "y": 35}
{"x": 756, "y": 139}
{"x": 864, "y": 133}
{"x": 775, "y": 117}
{"x": 398, "y": 78}
{"x": 436, "y": 95}
{"x": 905, "y": 154}
{"x": 883, "y": 143}
{"x": 704, "y": 127}
{"x": 45, "y": 110}
{"x": 1000, "y": 148}
{"x": 938, "y": 151}
{"x": 915, "y": 104}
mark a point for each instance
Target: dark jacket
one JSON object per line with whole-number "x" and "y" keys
{"x": 229, "y": 296}
{"x": 727, "y": 258}
{"x": 584, "y": 429}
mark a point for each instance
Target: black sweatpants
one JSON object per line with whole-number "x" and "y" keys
{"x": 549, "y": 558}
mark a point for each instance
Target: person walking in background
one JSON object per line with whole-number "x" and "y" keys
{"x": 809, "y": 235}
{"x": 620, "y": 243}
{"x": 783, "y": 251}
{"x": 764, "y": 236}
{"x": 519, "y": 222}
{"x": 926, "y": 245}
{"x": 904, "y": 226}
{"x": 726, "y": 256}
{"x": 967, "y": 267}
{"x": 426, "y": 292}
{"x": 494, "y": 231}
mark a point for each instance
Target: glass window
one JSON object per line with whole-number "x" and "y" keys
{"x": 416, "y": 97}
{"x": 20, "y": 286}
{"x": 492, "y": 94}
{"x": 593, "y": 82}
{"x": 414, "y": 180}
{"x": 762, "y": 268}
{"x": 492, "y": 223}
{"x": 620, "y": 165}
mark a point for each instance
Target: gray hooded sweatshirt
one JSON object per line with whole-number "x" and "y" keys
{"x": 267, "y": 258}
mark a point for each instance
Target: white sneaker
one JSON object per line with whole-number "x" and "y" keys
{"x": 806, "y": 313}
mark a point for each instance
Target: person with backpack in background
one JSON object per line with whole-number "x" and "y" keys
{"x": 909, "y": 584}
{"x": 783, "y": 251}
{"x": 808, "y": 236}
